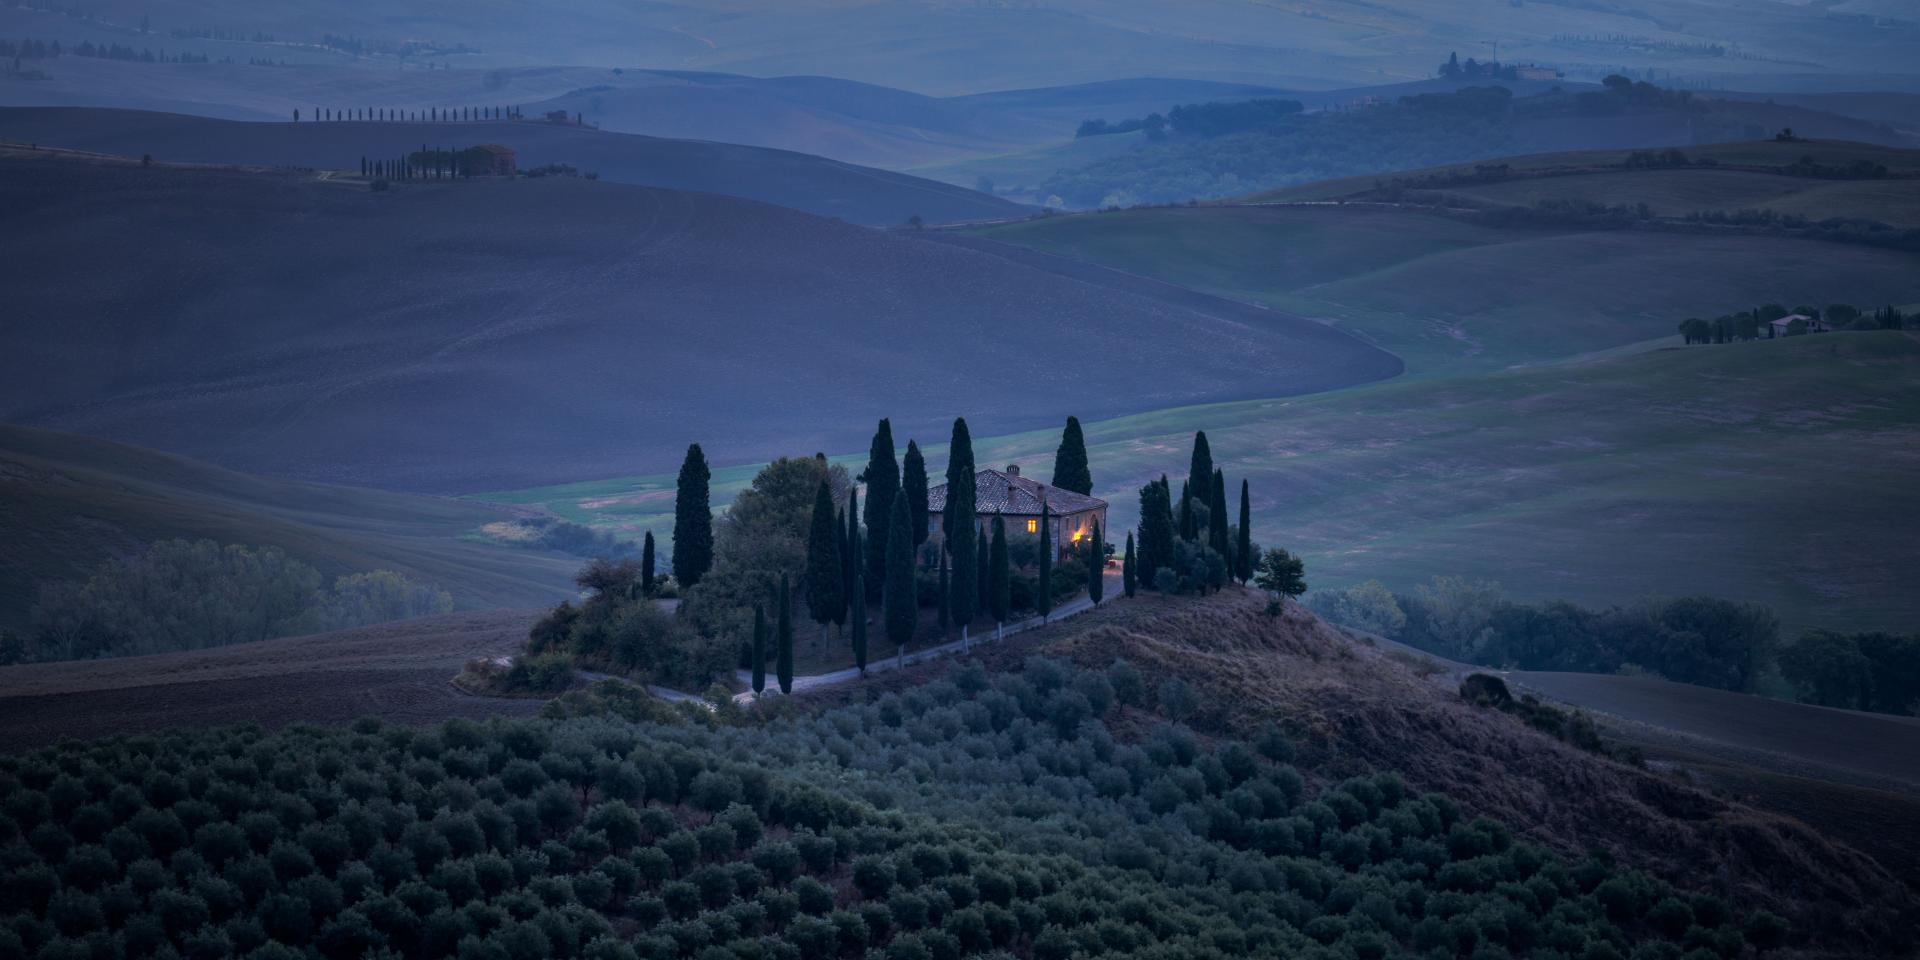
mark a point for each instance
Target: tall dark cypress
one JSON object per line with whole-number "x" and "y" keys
{"x": 1189, "y": 524}
{"x": 1129, "y": 573}
{"x": 1243, "y": 545}
{"x": 1043, "y": 597}
{"x": 859, "y": 618}
{"x": 900, "y": 594}
{"x": 692, "y": 520}
{"x": 1096, "y": 566}
{"x": 882, "y": 477}
{"x": 983, "y": 567}
{"x": 1200, "y": 472}
{"x": 840, "y": 553}
{"x": 824, "y": 570}
{"x": 1218, "y": 536}
{"x": 1070, "y": 467}
{"x": 850, "y": 556}
{"x": 1000, "y": 572}
{"x": 759, "y": 664}
{"x": 913, "y": 486}
{"x": 959, "y": 520}
{"x": 647, "y": 564}
{"x": 1156, "y": 530}
{"x": 783, "y": 638}
{"x": 944, "y": 602}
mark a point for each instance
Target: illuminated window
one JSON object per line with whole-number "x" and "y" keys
{"x": 1033, "y": 526}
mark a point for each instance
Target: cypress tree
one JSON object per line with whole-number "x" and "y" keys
{"x": 983, "y": 572}
{"x": 1217, "y": 535}
{"x": 882, "y": 477}
{"x": 692, "y": 520}
{"x": 1156, "y": 530}
{"x": 1200, "y": 473}
{"x": 900, "y": 593}
{"x": 824, "y": 570}
{"x": 944, "y": 602}
{"x": 959, "y": 521}
{"x": 1129, "y": 576}
{"x": 759, "y": 649}
{"x": 1243, "y": 545}
{"x": 1189, "y": 524}
{"x": 1043, "y": 597}
{"x": 913, "y": 486}
{"x": 850, "y": 556}
{"x": 647, "y": 564}
{"x": 1096, "y": 566}
{"x": 1070, "y": 469}
{"x": 859, "y": 617}
{"x": 1000, "y": 572}
{"x": 783, "y": 638}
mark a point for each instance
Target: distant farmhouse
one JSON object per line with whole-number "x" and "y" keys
{"x": 1018, "y": 499}
{"x": 499, "y": 161}
{"x": 1536, "y": 73}
{"x": 1784, "y": 326}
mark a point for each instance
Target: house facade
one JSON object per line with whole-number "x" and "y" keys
{"x": 1007, "y": 494}
{"x": 1785, "y": 326}
{"x": 501, "y": 161}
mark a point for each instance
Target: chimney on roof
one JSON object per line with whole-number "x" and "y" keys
{"x": 1013, "y": 469}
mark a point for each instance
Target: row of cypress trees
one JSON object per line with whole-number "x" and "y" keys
{"x": 430, "y": 114}
{"x": 1203, "y": 492}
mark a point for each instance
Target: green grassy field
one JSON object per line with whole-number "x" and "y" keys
{"x": 67, "y": 503}
{"x": 1775, "y": 471}
{"x": 1453, "y": 297}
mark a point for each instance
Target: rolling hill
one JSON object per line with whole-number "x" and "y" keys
{"x": 489, "y": 334}
{"x": 974, "y": 47}
{"x": 68, "y": 503}
{"x": 1453, "y": 294}
{"x": 1770, "y": 471}
{"x": 813, "y": 184}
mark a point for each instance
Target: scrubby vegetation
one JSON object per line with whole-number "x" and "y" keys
{"x": 552, "y": 533}
{"x": 186, "y": 595}
{"x": 1861, "y": 671}
{"x": 1574, "y": 727}
{"x": 1702, "y": 640}
{"x": 980, "y": 815}
{"x": 618, "y": 628}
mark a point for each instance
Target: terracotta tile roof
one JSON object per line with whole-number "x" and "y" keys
{"x": 1011, "y": 494}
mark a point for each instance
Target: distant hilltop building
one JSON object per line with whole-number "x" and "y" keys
{"x": 1536, "y": 73}
{"x": 500, "y": 161}
{"x": 1005, "y": 493}
{"x": 1797, "y": 323}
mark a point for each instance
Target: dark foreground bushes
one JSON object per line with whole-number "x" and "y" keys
{"x": 974, "y": 816}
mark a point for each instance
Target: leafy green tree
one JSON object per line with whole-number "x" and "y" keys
{"x": 1000, "y": 572}
{"x": 759, "y": 664}
{"x": 850, "y": 552}
{"x": 825, "y": 598}
{"x": 1282, "y": 572}
{"x": 913, "y": 486}
{"x": 959, "y": 525}
{"x": 1828, "y": 668}
{"x": 1096, "y": 565}
{"x": 882, "y": 478}
{"x": 647, "y": 562}
{"x": 1071, "y": 470}
{"x": 692, "y": 520}
{"x": 1043, "y": 597}
{"x": 783, "y": 638}
{"x": 1129, "y": 573}
{"x": 901, "y": 593}
{"x": 382, "y": 596}
{"x": 1243, "y": 546}
{"x": 1370, "y": 606}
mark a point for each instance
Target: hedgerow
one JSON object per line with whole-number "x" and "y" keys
{"x": 973, "y": 816}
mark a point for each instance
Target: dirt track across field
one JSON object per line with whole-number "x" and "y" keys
{"x": 398, "y": 672}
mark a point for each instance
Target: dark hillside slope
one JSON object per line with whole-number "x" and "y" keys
{"x": 69, "y": 503}
{"x": 816, "y": 185}
{"x": 496, "y": 334}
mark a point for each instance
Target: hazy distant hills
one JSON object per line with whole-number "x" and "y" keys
{"x": 973, "y": 46}
{"x": 479, "y": 334}
{"x": 813, "y": 184}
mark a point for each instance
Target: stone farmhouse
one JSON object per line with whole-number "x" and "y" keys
{"x": 1005, "y": 493}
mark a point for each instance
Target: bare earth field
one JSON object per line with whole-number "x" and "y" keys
{"x": 548, "y": 330}
{"x": 399, "y": 672}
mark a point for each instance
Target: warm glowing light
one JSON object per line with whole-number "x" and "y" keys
{"x": 1033, "y": 526}
{"x": 1077, "y": 535}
